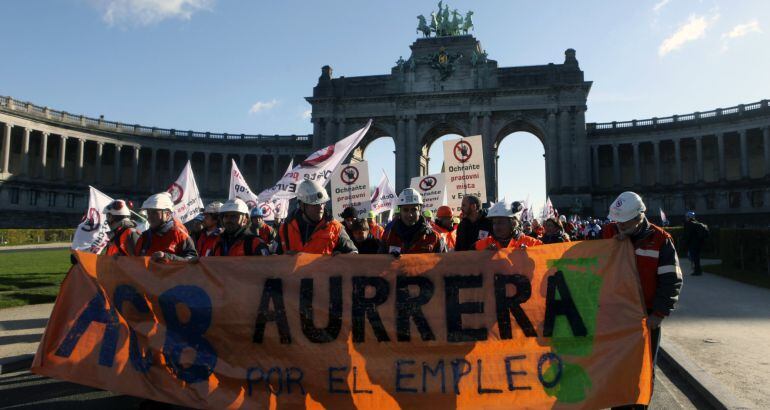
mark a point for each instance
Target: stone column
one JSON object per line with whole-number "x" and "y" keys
{"x": 62, "y": 155}
{"x": 744, "y": 154}
{"x": 474, "y": 124}
{"x": 580, "y": 149}
{"x": 595, "y": 163}
{"x": 116, "y": 172}
{"x": 81, "y": 155}
{"x": 637, "y": 165}
{"x": 615, "y": 165}
{"x": 99, "y": 153}
{"x": 276, "y": 171}
{"x": 677, "y": 161}
{"x": 171, "y": 155}
{"x": 317, "y": 133}
{"x": 402, "y": 169}
{"x": 329, "y": 134}
{"x": 25, "y": 151}
{"x": 721, "y": 153}
{"x": 489, "y": 165}
{"x": 153, "y": 168}
{"x": 565, "y": 162}
{"x": 699, "y": 159}
{"x": 413, "y": 156}
{"x": 224, "y": 173}
{"x": 656, "y": 155}
{"x": 341, "y": 129}
{"x": 552, "y": 153}
{"x": 206, "y": 167}
{"x": 7, "y": 148}
{"x": 259, "y": 171}
{"x": 43, "y": 154}
{"x": 766, "y": 146}
{"x": 135, "y": 178}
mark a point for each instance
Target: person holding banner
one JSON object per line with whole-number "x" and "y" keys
{"x": 211, "y": 229}
{"x": 123, "y": 234}
{"x": 237, "y": 239}
{"x": 474, "y": 225}
{"x": 411, "y": 233}
{"x": 165, "y": 240}
{"x": 260, "y": 229}
{"x": 656, "y": 260}
{"x": 506, "y": 230}
{"x": 308, "y": 231}
{"x": 444, "y": 225}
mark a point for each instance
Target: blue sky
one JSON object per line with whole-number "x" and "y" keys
{"x": 245, "y": 66}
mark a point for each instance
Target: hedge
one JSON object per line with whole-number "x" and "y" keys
{"x": 10, "y": 237}
{"x": 738, "y": 248}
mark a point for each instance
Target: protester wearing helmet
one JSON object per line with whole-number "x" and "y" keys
{"x": 236, "y": 239}
{"x": 474, "y": 224}
{"x": 444, "y": 226}
{"x": 428, "y": 215}
{"x": 656, "y": 260}
{"x": 123, "y": 234}
{"x": 374, "y": 229}
{"x": 211, "y": 229}
{"x": 306, "y": 230}
{"x": 165, "y": 240}
{"x": 506, "y": 230}
{"x": 259, "y": 228}
{"x": 411, "y": 233}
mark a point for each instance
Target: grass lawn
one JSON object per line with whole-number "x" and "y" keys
{"x": 761, "y": 279}
{"x": 31, "y": 277}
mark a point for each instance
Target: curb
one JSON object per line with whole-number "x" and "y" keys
{"x": 706, "y": 386}
{"x": 16, "y": 363}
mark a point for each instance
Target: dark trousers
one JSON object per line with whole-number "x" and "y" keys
{"x": 694, "y": 255}
{"x": 654, "y": 347}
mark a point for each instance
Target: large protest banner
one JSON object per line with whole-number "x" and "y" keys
{"x": 433, "y": 190}
{"x": 350, "y": 187}
{"x": 464, "y": 162}
{"x": 558, "y": 325}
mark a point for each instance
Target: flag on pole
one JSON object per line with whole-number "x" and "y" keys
{"x": 663, "y": 219}
{"x": 185, "y": 195}
{"x": 548, "y": 210}
{"x": 91, "y": 234}
{"x": 276, "y": 207}
{"x": 319, "y": 166}
{"x": 239, "y": 188}
{"x": 384, "y": 196}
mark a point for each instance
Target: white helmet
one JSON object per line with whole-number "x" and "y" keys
{"x": 213, "y": 208}
{"x": 409, "y": 196}
{"x": 234, "y": 205}
{"x": 159, "y": 201}
{"x": 117, "y": 207}
{"x": 311, "y": 193}
{"x": 562, "y": 218}
{"x": 626, "y": 207}
{"x": 500, "y": 210}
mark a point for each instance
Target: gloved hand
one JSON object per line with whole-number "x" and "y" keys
{"x": 396, "y": 254}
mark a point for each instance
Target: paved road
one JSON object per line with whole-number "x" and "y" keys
{"x": 24, "y": 390}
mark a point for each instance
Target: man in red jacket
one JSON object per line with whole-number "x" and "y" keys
{"x": 165, "y": 240}
{"x": 237, "y": 239}
{"x": 656, "y": 260}
{"x": 411, "y": 233}
{"x": 123, "y": 234}
{"x": 211, "y": 229}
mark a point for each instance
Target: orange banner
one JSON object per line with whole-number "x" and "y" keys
{"x": 554, "y": 326}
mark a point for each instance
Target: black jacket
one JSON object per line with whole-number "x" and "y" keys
{"x": 468, "y": 232}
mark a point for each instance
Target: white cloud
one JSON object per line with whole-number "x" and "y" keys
{"x": 692, "y": 30}
{"x": 743, "y": 29}
{"x": 659, "y": 5}
{"x": 146, "y": 12}
{"x": 262, "y": 106}
{"x": 307, "y": 114}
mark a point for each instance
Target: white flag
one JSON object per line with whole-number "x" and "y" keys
{"x": 548, "y": 210}
{"x": 91, "y": 234}
{"x": 276, "y": 207}
{"x": 384, "y": 196}
{"x": 319, "y": 166}
{"x": 239, "y": 188}
{"x": 663, "y": 218}
{"x": 184, "y": 193}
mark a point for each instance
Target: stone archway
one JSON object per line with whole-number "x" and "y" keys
{"x": 430, "y": 132}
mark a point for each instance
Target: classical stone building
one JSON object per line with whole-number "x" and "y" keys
{"x": 716, "y": 162}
